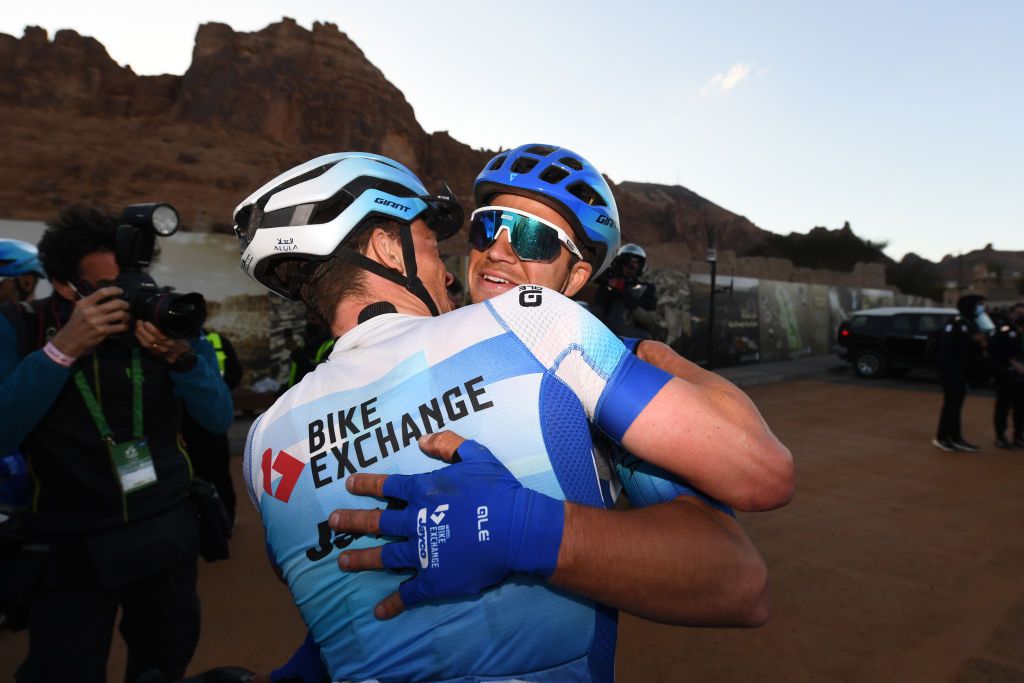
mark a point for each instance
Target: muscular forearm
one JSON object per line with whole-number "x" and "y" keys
{"x": 709, "y": 574}
{"x": 734, "y": 456}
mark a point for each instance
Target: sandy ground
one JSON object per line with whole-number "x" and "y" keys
{"x": 894, "y": 561}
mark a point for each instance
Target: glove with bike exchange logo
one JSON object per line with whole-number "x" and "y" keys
{"x": 469, "y": 526}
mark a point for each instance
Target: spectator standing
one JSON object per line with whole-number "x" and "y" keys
{"x": 210, "y": 451}
{"x": 20, "y": 271}
{"x": 960, "y": 348}
{"x": 1006, "y": 348}
{"x": 312, "y": 350}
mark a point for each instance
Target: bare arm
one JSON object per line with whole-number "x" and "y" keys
{"x": 679, "y": 562}
{"x": 724, "y": 447}
{"x": 698, "y": 567}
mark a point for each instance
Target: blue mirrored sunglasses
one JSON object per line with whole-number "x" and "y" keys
{"x": 532, "y": 238}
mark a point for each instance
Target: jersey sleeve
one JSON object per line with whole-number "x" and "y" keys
{"x": 613, "y": 385}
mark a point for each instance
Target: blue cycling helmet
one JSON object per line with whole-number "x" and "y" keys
{"x": 564, "y": 181}
{"x": 19, "y": 258}
{"x": 310, "y": 212}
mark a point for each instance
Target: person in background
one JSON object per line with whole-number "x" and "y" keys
{"x": 624, "y": 302}
{"x": 959, "y": 349}
{"x": 210, "y": 451}
{"x": 20, "y": 271}
{"x": 309, "y": 352}
{"x": 1006, "y": 348}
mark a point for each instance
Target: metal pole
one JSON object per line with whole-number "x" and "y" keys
{"x": 712, "y": 259}
{"x": 711, "y": 317}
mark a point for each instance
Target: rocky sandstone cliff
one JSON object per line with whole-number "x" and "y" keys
{"x": 77, "y": 127}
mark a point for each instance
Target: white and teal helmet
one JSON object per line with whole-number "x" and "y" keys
{"x": 309, "y": 213}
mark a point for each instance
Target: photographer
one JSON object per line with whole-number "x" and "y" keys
{"x": 93, "y": 394}
{"x": 627, "y": 305}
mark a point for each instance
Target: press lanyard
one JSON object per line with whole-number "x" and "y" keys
{"x": 106, "y": 433}
{"x": 131, "y": 460}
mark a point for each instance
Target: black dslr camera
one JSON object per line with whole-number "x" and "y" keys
{"x": 177, "y": 315}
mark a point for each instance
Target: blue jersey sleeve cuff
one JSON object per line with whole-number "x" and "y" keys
{"x": 631, "y": 343}
{"x": 630, "y": 388}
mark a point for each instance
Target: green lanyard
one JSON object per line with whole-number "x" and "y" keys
{"x": 93, "y": 405}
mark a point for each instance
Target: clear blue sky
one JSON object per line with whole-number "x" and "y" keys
{"x": 904, "y": 118}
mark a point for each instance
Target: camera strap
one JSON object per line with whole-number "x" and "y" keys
{"x": 131, "y": 459}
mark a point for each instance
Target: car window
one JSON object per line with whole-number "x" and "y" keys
{"x": 869, "y": 323}
{"x": 930, "y": 323}
{"x": 903, "y": 323}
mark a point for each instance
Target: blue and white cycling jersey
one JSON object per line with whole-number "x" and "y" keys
{"x": 524, "y": 374}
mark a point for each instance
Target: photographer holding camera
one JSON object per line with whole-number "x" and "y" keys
{"x": 93, "y": 382}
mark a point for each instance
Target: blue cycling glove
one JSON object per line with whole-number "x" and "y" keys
{"x": 468, "y": 527}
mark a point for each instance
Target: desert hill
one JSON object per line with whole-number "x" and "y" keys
{"x": 77, "y": 127}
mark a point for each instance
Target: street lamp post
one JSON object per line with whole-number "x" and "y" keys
{"x": 712, "y": 259}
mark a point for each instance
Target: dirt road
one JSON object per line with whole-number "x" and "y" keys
{"x": 894, "y": 561}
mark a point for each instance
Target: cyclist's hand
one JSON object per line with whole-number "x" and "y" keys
{"x": 468, "y": 526}
{"x": 94, "y": 318}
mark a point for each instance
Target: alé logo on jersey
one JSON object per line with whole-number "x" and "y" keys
{"x": 530, "y": 295}
{"x": 288, "y": 467}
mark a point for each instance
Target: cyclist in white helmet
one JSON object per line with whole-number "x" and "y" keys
{"x": 354, "y": 236}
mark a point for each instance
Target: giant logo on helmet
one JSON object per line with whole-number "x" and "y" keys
{"x": 607, "y": 220}
{"x": 391, "y": 204}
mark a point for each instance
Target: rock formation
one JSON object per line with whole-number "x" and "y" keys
{"x": 77, "y": 127}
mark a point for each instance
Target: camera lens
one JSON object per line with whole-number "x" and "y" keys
{"x": 178, "y": 315}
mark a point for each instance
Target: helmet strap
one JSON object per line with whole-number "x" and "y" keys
{"x": 410, "y": 281}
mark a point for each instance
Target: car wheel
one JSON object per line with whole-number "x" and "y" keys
{"x": 870, "y": 364}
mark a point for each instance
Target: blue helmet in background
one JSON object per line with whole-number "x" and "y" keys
{"x": 564, "y": 181}
{"x": 19, "y": 258}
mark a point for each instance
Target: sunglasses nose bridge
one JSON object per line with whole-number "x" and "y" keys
{"x": 501, "y": 249}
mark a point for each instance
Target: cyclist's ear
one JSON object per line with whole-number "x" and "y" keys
{"x": 579, "y": 274}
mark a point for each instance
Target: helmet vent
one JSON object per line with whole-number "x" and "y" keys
{"x": 540, "y": 150}
{"x": 496, "y": 164}
{"x": 523, "y": 165}
{"x": 586, "y": 194}
{"x": 554, "y": 174}
{"x": 326, "y": 212}
{"x": 574, "y": 164}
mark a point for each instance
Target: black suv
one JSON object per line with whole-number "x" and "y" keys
{"x": 880, "y": 340}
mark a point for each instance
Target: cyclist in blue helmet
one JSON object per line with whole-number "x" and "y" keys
{"x": 20, "y": 270}
{"x": 547, "y": 216}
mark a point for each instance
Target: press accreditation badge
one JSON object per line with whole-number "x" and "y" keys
{"x": 134, "y": 464}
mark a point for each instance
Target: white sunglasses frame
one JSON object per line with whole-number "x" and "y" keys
{"x": 563, "y": 237}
